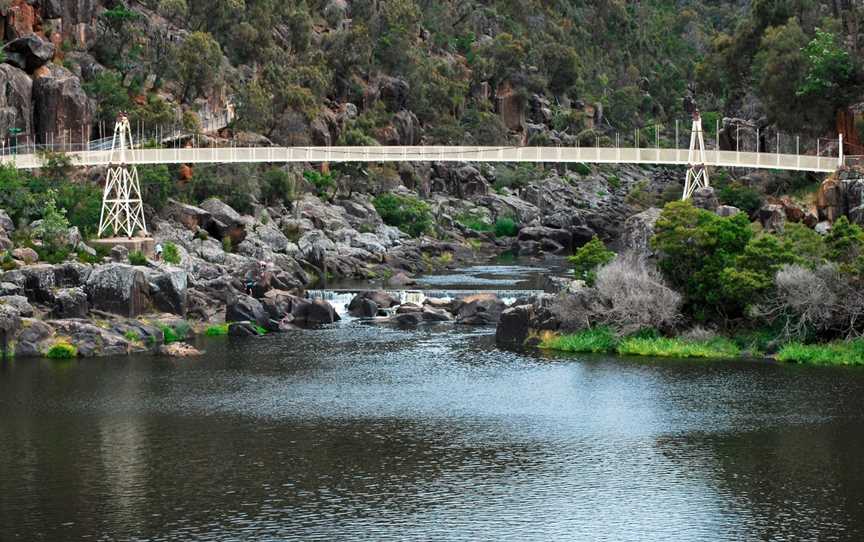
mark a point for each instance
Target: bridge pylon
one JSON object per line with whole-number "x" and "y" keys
{"x": 122, "y": 206}
{"x": 697, "y": 172}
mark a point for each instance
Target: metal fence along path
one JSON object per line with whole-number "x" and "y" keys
{"x": 590, "y": 155}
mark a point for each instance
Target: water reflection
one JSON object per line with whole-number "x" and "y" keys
{"x": 371, "y": 432}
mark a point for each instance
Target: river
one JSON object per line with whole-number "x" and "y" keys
{"x": 367, "y": 432}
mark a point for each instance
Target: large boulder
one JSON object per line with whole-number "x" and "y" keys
{"x": 772, "y": 217}
{"x": 314, "y": 313}
{"x": 244, "y": 308}
{"x": 39, "y": 282}
{"x": 362, "y": 308}
{"x": 118, "y": 289}
{"x": 31, "y": 337}
{"x": 61, "y": 107}
{"x": 29, "y": 52}
{"x": 192, "y": 217}
{"x": 549, "y": 239}
{"x": 20, "y": 304}
{"x": 514, "y": 326}
{"x": 639, "y": 229}
{"x": 10, "y": 323}
{"x": 168, "y": 289}
{"x": 70, "y": 303}
{"x": 91, "y": 340}
{"x": 16, "y": 110}
{"x": 226, "y": 221}
{"x": 706, "y": 198}
{"x": 480, "y": 310}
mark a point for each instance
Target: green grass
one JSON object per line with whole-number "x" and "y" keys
{"x": 62, "y": 350}
{"x": 217, "y": 331}
{"x": 506, "y": 227}
{"x": 170, "y": 253}
{"x": 838, "y": 353}
{"x": 132, "y": 335}
{"x": 176, "y": 334}
{"x": 602, "y": 340}
{"x": 662, "y": 347}
{"x": 260, "y": 330}
{"x": 598, "y": 340}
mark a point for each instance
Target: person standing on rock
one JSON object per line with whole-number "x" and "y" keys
{"x": 157, "y": 253}
{"x": 256, "y": 276}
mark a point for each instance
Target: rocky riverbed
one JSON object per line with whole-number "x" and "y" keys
{"x": 115, "y": 307}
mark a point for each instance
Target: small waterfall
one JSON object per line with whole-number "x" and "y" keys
{"x": 337, "y": 298}
{"x": 341, "y": 298}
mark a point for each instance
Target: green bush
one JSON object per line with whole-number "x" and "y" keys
{"x": 599, "y": 340}
{"x": 62, "y": 350}
{"x": 407, "y": 213}
{"x": 589, "y": 258}
{"x": 136, "y": 257}
{"x": 582, "y": 169}
{"x": 474, "y": 222}
{"x": 176, "y": 333}
{"x": 506, "y": 227}
{"x": 132, "y": 335}
{"x": 747, "y": 199}
{"x": 838, "y": 353}
{"x": 170, "y": 253}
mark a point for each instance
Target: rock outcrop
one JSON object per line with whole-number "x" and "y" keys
{"x": 62, "y": 111}
{"x": 118, "y": 289}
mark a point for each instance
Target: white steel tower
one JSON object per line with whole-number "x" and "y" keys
{"x": 697, "y": 174}
{"x": 122, "y": 207}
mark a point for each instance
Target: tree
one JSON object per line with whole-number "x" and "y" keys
{"x": 407, "y": 213}
{"x": 561, "y": 64}
{"x": 176, "y": 10}
{"x": 779, "y": 69}
{"x": 591, "y": 256}
{"x": 197, "y": 62}
{"x": 694, "y": 247}
{"x": 829, "y": 66}
{"x": 277, "y": 186}
{"x": 54, "y": 226}
{"x": 110, "y": 95}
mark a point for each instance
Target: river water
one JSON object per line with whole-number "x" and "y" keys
{"x": 368, "y": 432}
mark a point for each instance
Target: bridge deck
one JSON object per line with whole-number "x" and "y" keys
{"x": 598, "y": 155}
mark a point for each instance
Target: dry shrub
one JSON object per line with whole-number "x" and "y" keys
{"x": 633, "y": 296}
{"x": 809, "y": 302}
{"x": 628, "y": 296}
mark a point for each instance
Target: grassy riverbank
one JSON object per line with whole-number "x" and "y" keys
{"x": 603, "y": 341}
{"x": 837, "y": 353}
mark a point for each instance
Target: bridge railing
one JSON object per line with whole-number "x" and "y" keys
{"x": 623, "y": 155}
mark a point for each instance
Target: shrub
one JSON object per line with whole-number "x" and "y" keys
{"x": 62, "y": 350}
{"x": 136, "y": 257}
{"x": 177, "y": 333}
{"x": 323, "y": 182}
{"x": 474, "y": 222}
{"x": 838, "y": 353}
{"x": 597, "y": 340}
{"x": 132, "y": 335}
{"x": 170, "y": 253}
{"x": 407, "y": 213}
{"x": 633, "y": 297}
{"x": 506, "y": 227}
{"x": 745, "y": 198}
{"x": 582, "y": 169}
{"x": 588, "y": 258}
{"x": 220, "y": 330}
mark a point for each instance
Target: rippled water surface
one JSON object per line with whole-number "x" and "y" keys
{"x": 372, "y": 433}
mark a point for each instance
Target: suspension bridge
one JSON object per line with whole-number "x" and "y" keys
{"x": 123, "y": 209}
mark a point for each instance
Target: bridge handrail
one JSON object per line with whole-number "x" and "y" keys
{"x": 611, "y": 155}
